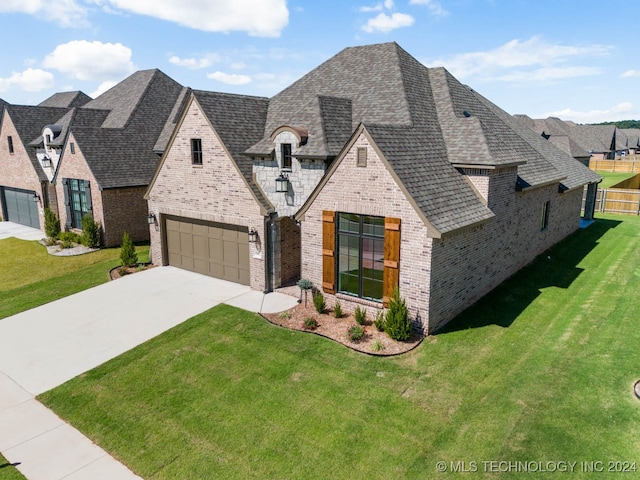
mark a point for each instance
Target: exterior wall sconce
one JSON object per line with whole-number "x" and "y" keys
{"x": 282, "y": 183}
{"x": 36, "y": 197}
{"x": 253, "y": 236}
{"x": 46, "y": 162}
{"x": 151, "y": 218}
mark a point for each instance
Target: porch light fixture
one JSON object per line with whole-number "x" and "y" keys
{"x": 36, "y": 197}
{"x": 151, "y": 218}
{"x": 46, "y": 162}
{"x": 282, "y": 183}
{"x": 253, "y": 236}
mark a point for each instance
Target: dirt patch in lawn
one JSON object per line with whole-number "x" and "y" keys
{"x": 336, "y": 329}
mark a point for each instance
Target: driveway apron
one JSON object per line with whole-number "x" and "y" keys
{"x": 48, "y": 345}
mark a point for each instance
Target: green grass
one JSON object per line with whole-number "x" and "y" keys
{"x": 611, "y": 178}
{"x": 8, "y": 471}
{"x": 34, "y": 277}
{"x": 540, "y": 370}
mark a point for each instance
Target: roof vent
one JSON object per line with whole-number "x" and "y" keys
{"x": 466, "y": 113}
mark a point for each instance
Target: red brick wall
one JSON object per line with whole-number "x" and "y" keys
{"x": 125, "y": 209}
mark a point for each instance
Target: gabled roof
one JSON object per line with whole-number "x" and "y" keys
{"x": 118, "y": 131}
{"x": 633, "y": 137}
{"x": 29, "y": 121}
{"x": 172, "y": 121}
{"x": 239, "y": 122}
{"x": 66, "y": 100}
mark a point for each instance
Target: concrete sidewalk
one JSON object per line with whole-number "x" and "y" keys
{"x": 46, "y": 346}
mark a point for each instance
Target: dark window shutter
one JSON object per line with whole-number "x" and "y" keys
{"x": 67, "y": 202}
{"x": 87, "y": 194}
{"x": 391, "y": 275}
{"x": 328, "y": 249}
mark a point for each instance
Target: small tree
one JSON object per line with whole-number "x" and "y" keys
{"x": 128, "y": 255}
{"x": 51, "y": 224}
{"x": 318, "y": 301}
{"x": 397, "y": 324}
{"x": 305, "y": 286}
{"x": 90, "y": 232}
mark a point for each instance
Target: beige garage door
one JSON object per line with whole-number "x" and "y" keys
{"x": 215, "y": 249}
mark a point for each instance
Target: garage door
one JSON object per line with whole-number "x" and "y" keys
{"x": 215, "y": 249}
{"x": 19, "y": 206}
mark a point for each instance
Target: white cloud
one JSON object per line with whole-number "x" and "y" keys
{"x": 30, "y": 80}
{"x": 434, "y": 7}
{"x": 535, "y": 56}
{"x": 195, "y": 63}
{"x": 65, "y": 13}
{"x": 85, "y": 60}
{"x": 388, "y": 4}
{"x": 622, "y": 111}
{"x": 630, "y": 73}
{"x": 262, "y": 18}
{"x": 230, "y": 79}
{"x": 385, "y": 23}
{"x": 103, "y": 87}
{"x": 548, "y": 74}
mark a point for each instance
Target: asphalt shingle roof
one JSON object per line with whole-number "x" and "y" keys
{"x": 66, "y": 100}
{"x": 239, "y": 121}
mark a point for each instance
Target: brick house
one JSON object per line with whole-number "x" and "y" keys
{"x": 369, "y": 173}
{"x": 97, "y": 156}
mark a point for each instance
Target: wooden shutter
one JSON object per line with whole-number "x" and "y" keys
{"x": 67, "y": 202}
{"x": 328, "y": 249}
{"x": 391, "y": 276}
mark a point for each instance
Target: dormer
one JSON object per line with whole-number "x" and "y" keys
{"x": 49, "y": 153}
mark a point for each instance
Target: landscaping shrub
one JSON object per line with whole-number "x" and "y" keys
{"x": 310, "y": 323}
{"x": 377, "y": 345}
{"x": 398, "y": 324}
{"x": 51, "y": 224}
{"x": 337, "y": 310}
{"x": 361, "y": 315}
{"x": 68, "y": 237}
{"x": 318, "y": 301}
{"x": 90, "y": 232}
{"x": 379, "y": 321}
{"x": 355, "y": 333}
{"x": 128, "y": 255}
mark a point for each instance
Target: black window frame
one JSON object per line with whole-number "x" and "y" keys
{"x": 544, "y": 218}
{"x": 81, "y": 190}
{"x": 10, "y": 143}
{"x": 72, "y": 147}
{"x": 369, "y": 238}
{"x": 196, "y": 151}
{"x": 286, "y": 156}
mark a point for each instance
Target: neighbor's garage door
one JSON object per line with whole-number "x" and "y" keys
{"x": 20, "y": 207}
{"x": 215, "y": 249}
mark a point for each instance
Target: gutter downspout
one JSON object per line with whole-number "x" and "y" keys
{"x": 269, "y": 227}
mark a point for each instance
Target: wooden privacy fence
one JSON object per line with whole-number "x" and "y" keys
{"x": 616, "y": 200}
{"x": 622, "y": 166}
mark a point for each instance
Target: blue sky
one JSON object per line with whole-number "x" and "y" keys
{"x": 576, "y": 59}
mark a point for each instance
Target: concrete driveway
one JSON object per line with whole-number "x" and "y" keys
{"x": 12, "y": 229}
{"x": 46, "y": 346}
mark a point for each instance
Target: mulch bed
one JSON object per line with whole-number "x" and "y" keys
{"x": 118, "y": 272}
{"x": 336, "y": 329}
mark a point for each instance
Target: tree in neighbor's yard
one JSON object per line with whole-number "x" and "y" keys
{"x": 128, "y": 255}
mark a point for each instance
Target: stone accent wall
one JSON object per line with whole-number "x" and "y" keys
{"x": 304, "y": 175}
{"x": 16, "y": 169}
{"x": 214, "y": 191}
{"x": 371, "y": 190}
{"x": 125, "y": 210}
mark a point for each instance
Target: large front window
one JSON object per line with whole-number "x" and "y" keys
{"x": 78, "y": 197}
{"x": 360, "y": 241}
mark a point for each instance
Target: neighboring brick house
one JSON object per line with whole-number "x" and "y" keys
{"x": 24, "y": 183}
{"x": 97, "y": 156}
{"x": 369, "y": 173}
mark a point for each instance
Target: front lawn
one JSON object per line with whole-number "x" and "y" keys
{"x": 539, "y": 372}
{"x": 31, "y": 277}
